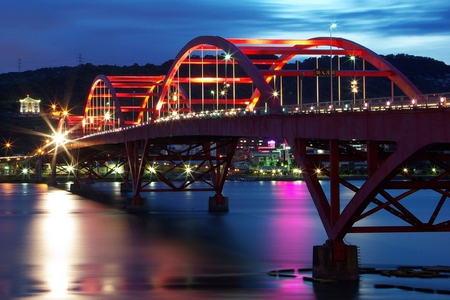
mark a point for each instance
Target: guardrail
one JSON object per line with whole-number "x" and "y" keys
{"x": 429, "y": 101}
{"x": 375, "y": 104}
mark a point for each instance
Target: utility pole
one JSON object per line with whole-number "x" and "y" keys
{"x": 19, "y": 66}
{"x": 80, "y": 59}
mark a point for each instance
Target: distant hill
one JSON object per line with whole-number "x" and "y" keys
{"x": 69, "y": 86}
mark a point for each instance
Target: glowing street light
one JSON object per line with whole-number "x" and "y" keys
{"x": 59, "y": 138}
{"x": 7, "y": 146}
{"x": 354, "y": 88}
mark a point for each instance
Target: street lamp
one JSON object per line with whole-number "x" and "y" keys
{"x": 354, "y": 83}
{"x": 332, "y": 26}
{"x": 7, "y": 147}
{"x": 354, "y": 88}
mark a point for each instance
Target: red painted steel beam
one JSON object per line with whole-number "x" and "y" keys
{"x": 212, "y": 80}
{"x": 221, "y": 100}
{"x": 339, "y": 73}
{"x": 292, "y": 50}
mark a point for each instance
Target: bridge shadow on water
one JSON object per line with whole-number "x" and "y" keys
{"x": 105, "y": 193}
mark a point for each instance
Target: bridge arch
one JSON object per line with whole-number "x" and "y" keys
{"x": 94, "y": 112}
{"x": 377, "y": 61}
{"x": 119, "y": 101}
{"x": 265, "y": 92}
{"x": 261, "y": 72}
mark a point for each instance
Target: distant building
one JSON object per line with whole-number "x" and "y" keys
{"x": 30, "y": 107}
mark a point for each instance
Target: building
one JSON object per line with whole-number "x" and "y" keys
{"x": 30, "y": 107}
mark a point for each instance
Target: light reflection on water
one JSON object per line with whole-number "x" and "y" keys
{"x": 58, "y": 237}
{"x": 57, "y": 245}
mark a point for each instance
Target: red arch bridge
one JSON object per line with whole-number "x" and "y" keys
{"x": 220, "y": 90}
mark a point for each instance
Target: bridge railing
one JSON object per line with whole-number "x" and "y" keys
{"x": 374, "y": 104}
{"x": 430, "y": 101}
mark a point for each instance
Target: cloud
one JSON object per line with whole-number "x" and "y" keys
{"x": 52, "y": 33}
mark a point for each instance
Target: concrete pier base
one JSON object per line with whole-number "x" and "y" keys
{"x": 218, "y": 203}
{"x": 336, "y": 261}
{"x": 133, "y": 207}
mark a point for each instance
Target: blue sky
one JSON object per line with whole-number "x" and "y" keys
{"x": 49, "y": 33}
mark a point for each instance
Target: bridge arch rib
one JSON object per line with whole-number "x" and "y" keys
{"x": 119, "y": 101}
{"x": 203, "y": 42}
{"x": 378, "y": 62}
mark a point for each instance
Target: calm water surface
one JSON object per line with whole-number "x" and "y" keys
{"x": 58, "y": 245}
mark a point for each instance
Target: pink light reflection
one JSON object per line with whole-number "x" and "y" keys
{"x": 291, "y": 236}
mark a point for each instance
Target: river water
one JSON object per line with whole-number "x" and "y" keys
{"x": 58, "y": 245}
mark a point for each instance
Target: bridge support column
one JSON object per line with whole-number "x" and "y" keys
{"x": 218, "y": 203}
{"x": 336, "y": 261}
{"x": 126, "y": 187}
{"x": 136, "y": 204}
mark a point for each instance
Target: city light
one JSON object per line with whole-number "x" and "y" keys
{"x": 59, "y": 138}
{"x": 7, "y": 146}
{"x": 188, "y": 170}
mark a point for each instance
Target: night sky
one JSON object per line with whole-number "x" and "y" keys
{"x": 48, "y": 33}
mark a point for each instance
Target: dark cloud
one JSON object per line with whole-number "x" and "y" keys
{"x": 53, "y": 33}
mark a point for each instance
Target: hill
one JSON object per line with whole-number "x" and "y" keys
{"x": 69, "y": 87}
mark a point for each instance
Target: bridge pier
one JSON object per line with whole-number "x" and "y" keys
{"x": 336, "y": 261}
{"x": 218, "y": 203}
{"x": 126, "y": 187}
{"x": 136, "y": 204}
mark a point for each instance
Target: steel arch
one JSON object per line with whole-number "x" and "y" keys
{"x": 378, "y": 62}
{"x": 265, "y": 90}
{"x": 107, "y": 81}
{"x": 122, "y": 88}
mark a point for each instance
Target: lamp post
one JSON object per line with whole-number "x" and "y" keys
{"x": 332, "y": 26}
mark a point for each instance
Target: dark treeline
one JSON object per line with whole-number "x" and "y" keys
{"x": 69, "y": 86}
